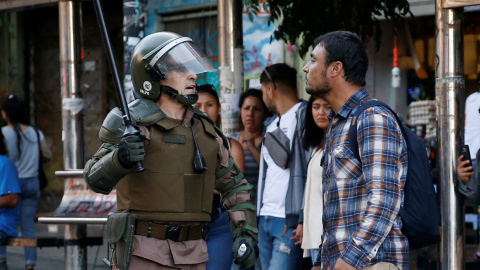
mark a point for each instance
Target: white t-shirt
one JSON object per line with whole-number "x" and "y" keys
{"x": 276, "y": 180}
{"x": 472, "y": 123}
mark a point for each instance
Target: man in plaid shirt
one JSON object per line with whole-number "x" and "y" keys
{"x": 361, "y": 198}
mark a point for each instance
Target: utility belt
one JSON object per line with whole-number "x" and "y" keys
{"x": 174, "y": 233}
{"x": 121, "y": 227}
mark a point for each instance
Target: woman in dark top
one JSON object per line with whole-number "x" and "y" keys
{"x": 253, "y": 113}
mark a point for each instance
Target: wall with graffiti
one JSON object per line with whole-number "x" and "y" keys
{"x": 80, "y": 202}
{"x": 259, "y": 52}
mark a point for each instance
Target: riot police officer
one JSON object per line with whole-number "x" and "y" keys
{"x": 185, "y": 158}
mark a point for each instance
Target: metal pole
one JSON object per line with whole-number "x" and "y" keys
{"x": 130, "y": 129}
{"x": 72, "y": 123}
{"x": 72, "y": 103}
{"x": 223, "y": 29}
{"x": 75, "y": 246}
{"x": 450, "y": 85}
{"x": 112, "y": 63}
{"x": 230, "y": 42}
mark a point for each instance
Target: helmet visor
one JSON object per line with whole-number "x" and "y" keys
{"x": 183, "y": 60}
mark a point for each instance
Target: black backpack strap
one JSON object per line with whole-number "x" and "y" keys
{"x": 39, "y": 147}
{"x": 352, "y": 132}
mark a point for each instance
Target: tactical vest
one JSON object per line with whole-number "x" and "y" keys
{"x": 169, "y": 189}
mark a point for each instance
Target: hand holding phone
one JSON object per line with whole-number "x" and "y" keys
{"x": 465, "y": 151}
{"x": 464, "y": 167}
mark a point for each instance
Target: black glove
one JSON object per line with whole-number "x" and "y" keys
{"x": 248, "y": 246}
{"x": 130, "y": 150}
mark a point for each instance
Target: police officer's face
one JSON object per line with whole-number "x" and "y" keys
{"x": 209, "y": 105}
{"x": 185, "y": 85}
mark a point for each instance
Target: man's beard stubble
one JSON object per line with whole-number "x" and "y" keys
{"x": 322, "y": 91}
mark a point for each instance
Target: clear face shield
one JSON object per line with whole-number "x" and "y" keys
{"x": 184, "y": 59}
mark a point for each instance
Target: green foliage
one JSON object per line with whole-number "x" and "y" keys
{"x": 304, "y": 20}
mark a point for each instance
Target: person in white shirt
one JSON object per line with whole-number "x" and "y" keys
{"x": 282, "y": 173}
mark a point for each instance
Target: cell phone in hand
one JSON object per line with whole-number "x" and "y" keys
{"x": 465, "y": 151}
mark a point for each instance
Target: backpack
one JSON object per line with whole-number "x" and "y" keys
{"x": 420, "y": 213}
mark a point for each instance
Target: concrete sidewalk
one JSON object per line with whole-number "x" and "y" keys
{"x": 49, "y": 258}
{"x": 53, "y": 258}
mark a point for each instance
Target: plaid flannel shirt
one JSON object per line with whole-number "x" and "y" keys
{"x": 362, "y": 199}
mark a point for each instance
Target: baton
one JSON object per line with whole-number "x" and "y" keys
{"x": 130, "y": 129}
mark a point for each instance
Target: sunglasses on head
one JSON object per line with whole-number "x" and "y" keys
{"x": 270, "y": 78}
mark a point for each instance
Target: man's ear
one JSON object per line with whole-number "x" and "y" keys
{"x": 270, "y": 91}
{"x": 337, "y": 68}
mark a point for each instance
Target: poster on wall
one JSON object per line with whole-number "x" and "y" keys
{"x": 258, "y": 51}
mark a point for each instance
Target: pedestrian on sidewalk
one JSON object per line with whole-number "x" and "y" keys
{"x": 314, "y": 130}
{"x": 469, "y": 172}
{"x": 253, "y": 113}
{"x": 9, "y": 197}
{"x": 362, "y": 198}
{"x": 283, "y": 170}
{"x": 23, "y": 149}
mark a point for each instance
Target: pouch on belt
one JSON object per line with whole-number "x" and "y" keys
{"x": 119, "y": 233}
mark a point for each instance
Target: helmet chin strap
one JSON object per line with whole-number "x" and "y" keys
{"x": 184, "y": 99}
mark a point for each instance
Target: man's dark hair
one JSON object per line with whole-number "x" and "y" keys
{"x": 280, "y": 74}
{"x": 312, "y": 134}
{"x": 349, "y": 49}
